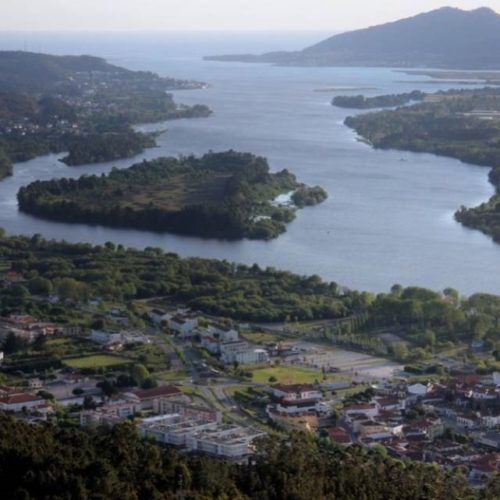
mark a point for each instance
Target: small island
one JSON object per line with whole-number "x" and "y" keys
{"x": 228, "y": 195}
{"x": 462, "y": 124}
{"x": 382, "y": 101}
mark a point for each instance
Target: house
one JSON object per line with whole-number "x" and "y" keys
{"x": 148, "y": 398}
{"x": 490, "y": 421}
{"x": 485, "y": 467}
{"x": 389, "y": 404}
{"x": 296, "y": 392}
{"x": 296, "y": 399}
{"x": 110, "y": 414}
{"x": 367, "y": 410}
{"x": 159, "y": 315}
{"x": 103, "y": 337}
{"x": 12, "y": 399}
{"x": 35, "y": 383}
{"x": 489, "y": 439}
{"x": 339, "y": 435}
{"x": 210, "y": 344}
{"x": 223, "y": 333}
{"x": 183, "y": 325}
{"x": 428, "y": 428}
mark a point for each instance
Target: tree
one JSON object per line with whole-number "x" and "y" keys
{"x": 139, "y": 372}
{"x": 429, "y": 338}
{"x": 13, "y": 343}
{"x": 40, "y": 286}
{"x": 400, "y": 350}
{"x": 39, "y": 342}
{"x": 89, "y": 403}
{"x": 70, "y": 289}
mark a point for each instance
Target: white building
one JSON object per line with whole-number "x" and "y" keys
{"x": 224, "y": 334}
{"x": 296, "y": 399}
{"x": 242, "y": 353}
{"x": 159, "y": 315}
{"x": 103, "y": 337}
{"x": 201, "y": 434}
{"x": 184, "y": 325}
{"x": 124, "y": 337}
{"x": 12, "y": 399}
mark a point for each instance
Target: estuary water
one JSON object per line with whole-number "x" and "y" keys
{"x": 389, "y": 216}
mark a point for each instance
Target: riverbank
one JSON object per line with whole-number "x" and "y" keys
{"x": 461, "y": 124}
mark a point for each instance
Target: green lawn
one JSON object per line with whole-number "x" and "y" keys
{"x": 263, "y": 337}
{"x": 169, "y": 375}
{"x": 287, "y": 375}
{"x": 96, "y": 361}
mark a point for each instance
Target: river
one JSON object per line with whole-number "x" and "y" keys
{"x": 389, "y": 217}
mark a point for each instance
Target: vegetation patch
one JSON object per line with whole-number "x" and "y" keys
{"x": 96, "y": 361}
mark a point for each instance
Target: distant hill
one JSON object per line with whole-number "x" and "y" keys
{"x": 443, "y": 38}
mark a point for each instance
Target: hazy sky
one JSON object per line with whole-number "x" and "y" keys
{"x": 213, "y": 14}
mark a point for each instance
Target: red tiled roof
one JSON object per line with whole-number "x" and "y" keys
{"x": 19, "y": 398}
{"x": 339, "y": 435}
{"x": 360, "y": 406}
{"x": 156, "y": 392}
{"x": 293, "y": 388}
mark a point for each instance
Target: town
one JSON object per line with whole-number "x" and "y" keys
{"x": 209, "y": 385}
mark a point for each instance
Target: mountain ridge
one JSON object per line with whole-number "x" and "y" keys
{"x": 447, "y": 37}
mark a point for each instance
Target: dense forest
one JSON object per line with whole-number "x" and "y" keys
{"x": 98, "y": 148}
{"x": 62, "y": 462}
{"x": 462, "y": 124}
{"x": 485, "y": 217}
{"x": 5, "y": 165}
{"x": 79, "y": 272}
{"x": 226, "y": 195}
{"x": 382, "y": 101}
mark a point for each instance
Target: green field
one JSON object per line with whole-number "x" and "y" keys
{"x": 263, "y": 337}
{"x": 97, "y": 361}
{"x": 287, "y": 375}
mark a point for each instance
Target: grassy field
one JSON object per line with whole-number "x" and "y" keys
{"x": 57, "y": 342}
{"x": 169, "y": 376}
{"x": 96, "y": 361}
{"x": 263, "y": 337}
{"x": 287, "y": 375}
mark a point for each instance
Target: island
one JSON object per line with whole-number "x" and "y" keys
{"x": 462, "y": 124}
{"x": 228, "y": 195}
{"x": 382, "y": 101}
{"x": 83, "y": 105}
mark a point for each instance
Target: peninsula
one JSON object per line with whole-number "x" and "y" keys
{"x": 80, "y": 104}
{"x": 383, "y": 101}
{"x": 443, "y": 38}
{"x": 462, "y": 124}
{"x": 226, "y": 195}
